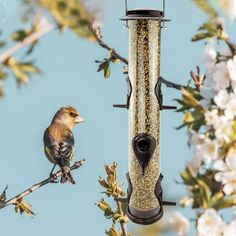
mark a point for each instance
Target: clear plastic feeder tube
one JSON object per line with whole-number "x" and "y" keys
{"x": 144, "y": 117}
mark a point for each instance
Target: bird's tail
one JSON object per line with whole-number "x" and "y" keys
{"x": 66, "y": 175}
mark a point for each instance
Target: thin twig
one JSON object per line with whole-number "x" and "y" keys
{"x": 122, "y": 223}
{"x": 35, "y": 187}
{"x": 116, "y": 55}
{"x": 231, "y": 46}
{"x": 170, "y": 84}
{"x": 27, "y": 41}
{"x": 49, "y": 27}
{"x": 106, "y": 46}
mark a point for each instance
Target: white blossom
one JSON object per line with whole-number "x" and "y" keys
{"x": 179, "y": 223}
{"x": 229, "y": 7}
{"x": 230, "y": 111}
{"x": 195, "y": 138}
{"x": 230, "y": 229}
{"x": 231, "y": 65}
{"x": 205, "y": 103}
{"x": 210, "y": 223}
{"x": 211, "y": 117}
{"x": 234, "y": 210}
{"x": 222, "y": 128}
{"x": 195, "y": 164}
{"x": 209, "y": 55}
{"x": 221, "y": 99}
{"x": 207, "y": 95}
{"x": 218, "y": 77}
{"x": 227, "y": 174}
{"x": 186, "y": 201}
{"x": 208, "y": 150}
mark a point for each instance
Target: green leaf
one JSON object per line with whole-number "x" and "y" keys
{"x": 71, "y": 14}
{"x": 105, "y": 67}
{"x": 215, "y": 199}
{"x": 201, "y": 36}
{"x": 111, "y": 184}
{"x": 19, "y": 35}
{"x": 103, "y": 182}
{"x": 205, "y": 191}
{"x": 198, "y": 122}
{"x": 3, "y": 75}
{"x": 188, "y": 177}
{"x": 22, "y": 78}
{"x": 107, "y": 72}
{"x": 188, "y": 118}
{"x": 22, "y": 70}
{"x": 61, "y": 5}
{"x": 2, "y": 44}
{"x": 181, "y": 126}
{"x": 223, "y": 203}
{"x": 209, "y": 30}
{"x": 1, "y": 89}
{"x": 112, "y": 231}
{"x": 189, "y": 99}
{"x": 23, "y": 207}
{"x": 29, "y": 68}
{"x": 106, "y": 208}
{"x": 118, "y": 216}
{"x": 205, "y": 6}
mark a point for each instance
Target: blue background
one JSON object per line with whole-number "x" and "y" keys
{"x": 70, "y": 77}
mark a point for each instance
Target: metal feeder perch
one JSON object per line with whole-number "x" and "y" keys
{"x": 144, "y": 101}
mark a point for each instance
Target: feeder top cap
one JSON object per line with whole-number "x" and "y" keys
{"x": 151, "y": 14}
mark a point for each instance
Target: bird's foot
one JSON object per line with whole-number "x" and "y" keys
{"x": 54, "y": 178}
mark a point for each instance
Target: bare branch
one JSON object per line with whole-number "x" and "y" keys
{"x": 170, "y": 84}
{"x": 45, "y": 28}
{"x": 35, "y": 187}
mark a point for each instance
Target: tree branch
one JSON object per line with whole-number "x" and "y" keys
{"x": 116, "y": 55}
{"x": 102, "y": 43}
{"x": 170, "y": 84}
{"x": 46, "y": 27}
{"x": 122, "y": 223}
{"x": 35, "y": 187}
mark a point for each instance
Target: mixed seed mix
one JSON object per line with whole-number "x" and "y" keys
{"x": 144, "y": 112}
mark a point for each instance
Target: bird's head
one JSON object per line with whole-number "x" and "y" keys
{"x": 68, "y": 116}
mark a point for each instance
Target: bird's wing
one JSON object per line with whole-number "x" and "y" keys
{"x": 60, "y": 150}
{"x": 66, "y": 150}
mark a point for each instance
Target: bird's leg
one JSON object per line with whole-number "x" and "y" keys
{"x": 51, "y": 175}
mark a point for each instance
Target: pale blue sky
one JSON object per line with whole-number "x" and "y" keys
{"x": 70, "y": 77}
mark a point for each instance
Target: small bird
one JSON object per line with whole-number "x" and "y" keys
{"x": 59, "y": 141}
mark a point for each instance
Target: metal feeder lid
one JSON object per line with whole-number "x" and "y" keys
{"x": 151, "y": 14}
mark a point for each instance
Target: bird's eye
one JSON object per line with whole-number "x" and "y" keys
{"x": 73, "y": 114}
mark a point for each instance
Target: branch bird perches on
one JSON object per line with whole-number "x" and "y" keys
{"x": 51, "y": 179}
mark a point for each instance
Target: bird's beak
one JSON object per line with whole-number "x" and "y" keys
{"x": 79, "y": 119}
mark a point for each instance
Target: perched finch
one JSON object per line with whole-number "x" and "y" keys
{"x": 59, "y": 141}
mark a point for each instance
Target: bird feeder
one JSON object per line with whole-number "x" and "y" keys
{"x": 144, "y": 102}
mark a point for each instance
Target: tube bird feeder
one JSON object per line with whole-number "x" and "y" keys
{"x": 144, "y": 101}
